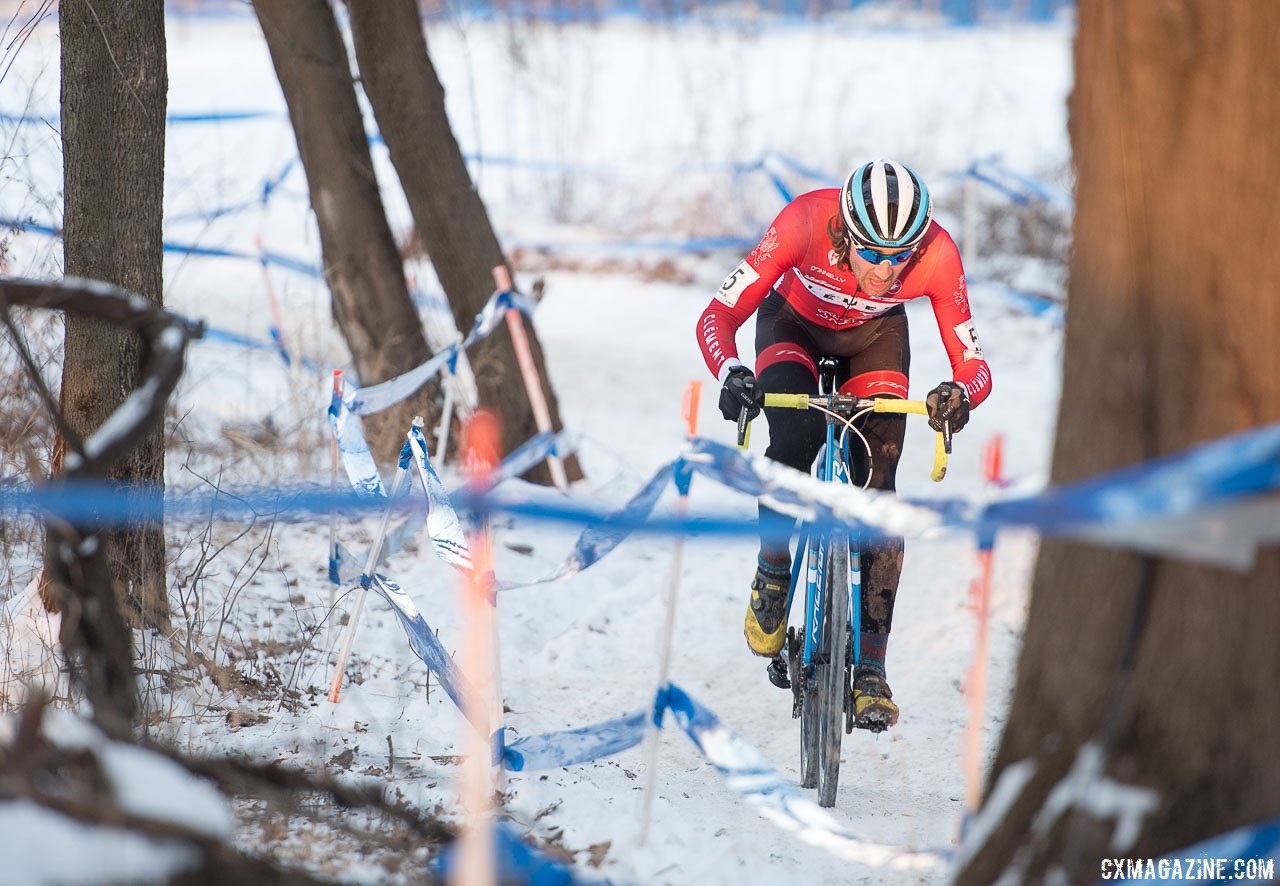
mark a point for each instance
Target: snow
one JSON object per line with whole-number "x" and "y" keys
{"x": 641, "y": 132}
{"x": 40, "y": 846}
{"x": 162, "y": 790}
{"x": 37, "y": 850}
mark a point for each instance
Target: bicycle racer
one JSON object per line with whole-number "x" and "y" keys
{"x": 831, "y": 277}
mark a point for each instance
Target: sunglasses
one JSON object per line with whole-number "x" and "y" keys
{"x": 875, "y": 256}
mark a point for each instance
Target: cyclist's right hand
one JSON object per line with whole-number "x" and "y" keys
{"x": 741, "y": 391}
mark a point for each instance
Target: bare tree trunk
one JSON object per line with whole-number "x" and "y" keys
{"x": 450, "y": 217}
{"x": 114, "y": 98}
{"x": 1167, "y": 671}
{"x": 363, "y": 267}
{"x": 92, "y": 630}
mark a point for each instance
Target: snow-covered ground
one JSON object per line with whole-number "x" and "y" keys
{"x": 622, "y": 132}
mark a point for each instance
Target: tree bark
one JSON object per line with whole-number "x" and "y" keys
{"x": 114, "y": 99}
{"x": 362, "y": 264}
{"x": 1167, "y": 670}
{"x": 451, "y": 221}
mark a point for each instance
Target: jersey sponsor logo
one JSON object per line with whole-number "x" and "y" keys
{"x": 833, "y": 258}
{"x": 886, "y": 387}
{"x": 711, "y": 340}
{"x": 961, "y": 296}
{"x": 821, "y": 290}
{"x": 842, "y": 299}
{"x": 793, "y": 355}
{"x": 866, "y": 306}
{"x": 823, "y": 272}
{"x": 768, "y": 243}
{"x": 969, "y": 338}
{"x": 981, "y": 380}
{"x": 832, "y": 317}
{"x": 736, "y": 283}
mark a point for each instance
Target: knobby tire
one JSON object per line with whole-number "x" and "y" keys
{"x": 810, "y": 730}
{"x": 831, "y": 673}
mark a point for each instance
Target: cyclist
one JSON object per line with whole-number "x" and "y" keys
{"x": 830, "y": 278}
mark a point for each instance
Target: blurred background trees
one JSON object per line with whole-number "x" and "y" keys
{"x": 363, "y": 265}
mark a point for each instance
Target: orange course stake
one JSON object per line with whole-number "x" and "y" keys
{"x": 993, "y": 460}
{"x": 976, "y": 692}
{"x": 476, "y": 855}
{"x": 689, "y": 408}
{"x": 980, "y": 599}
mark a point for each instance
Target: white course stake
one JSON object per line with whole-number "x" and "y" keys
{"x": 532, "y": 384}
{"x": 653, "y": 735}
{"x": 371, "y": 564}
{"x": 446, "y": 418}
{"x": 338, "y": 386}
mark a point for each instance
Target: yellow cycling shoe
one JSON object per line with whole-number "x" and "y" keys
{"x": 873, "y": 706}
{"x": 766, "y": 621}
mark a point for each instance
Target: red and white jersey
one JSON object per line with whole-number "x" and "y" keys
{"x": 796, "y": 258}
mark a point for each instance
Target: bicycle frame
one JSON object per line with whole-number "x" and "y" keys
{"x": 833, "y": 466}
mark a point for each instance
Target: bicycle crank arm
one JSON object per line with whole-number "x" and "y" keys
{"x": 795, "y": 671}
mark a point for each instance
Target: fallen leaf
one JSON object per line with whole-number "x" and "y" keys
{"x": 598, "y": 852}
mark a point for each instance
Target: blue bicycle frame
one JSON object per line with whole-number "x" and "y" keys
{"x": 830, "y": 469}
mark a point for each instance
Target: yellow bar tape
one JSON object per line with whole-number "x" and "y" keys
{"x": 882, "y": 404}
{"x": 787, "y": 401}
{"x": 918, "y": 407}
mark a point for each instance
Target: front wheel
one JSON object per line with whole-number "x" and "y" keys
{"x": 831, "y": 672}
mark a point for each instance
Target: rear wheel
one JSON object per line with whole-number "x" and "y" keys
{"x": 831, "y": 673}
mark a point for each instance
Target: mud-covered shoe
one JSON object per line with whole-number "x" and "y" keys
{"x": 766, "y": 621}
{"x": 873, "y": 706}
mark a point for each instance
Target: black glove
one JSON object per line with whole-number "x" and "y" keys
{"x": 948, "y": 402}
{"x": 741, "y": 391}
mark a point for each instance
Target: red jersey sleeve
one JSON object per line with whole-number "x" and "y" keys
{"x": 781, "y": 247}
{"x": 949, "y": 296}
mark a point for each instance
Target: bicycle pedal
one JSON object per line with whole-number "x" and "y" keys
{"x": 875, "y": 719}
{"x": 874, "y": 725}
{"x": 777, "y": 671}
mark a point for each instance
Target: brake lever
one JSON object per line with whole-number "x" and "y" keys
{"x": 744, "y": 428}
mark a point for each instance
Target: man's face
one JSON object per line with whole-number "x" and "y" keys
{"x": 876, "y": 278}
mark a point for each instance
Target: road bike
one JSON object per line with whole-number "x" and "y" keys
{"x": 820, "y": 681}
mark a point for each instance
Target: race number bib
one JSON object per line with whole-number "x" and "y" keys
{"x": 969, "y": 338}
{"x": 736, "y": 283}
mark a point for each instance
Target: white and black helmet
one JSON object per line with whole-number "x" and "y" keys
{"x": 885, "y": 205}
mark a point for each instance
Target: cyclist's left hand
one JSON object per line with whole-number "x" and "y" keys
{"x": 741, "y": 391}
{"x": 948, "y": 402}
